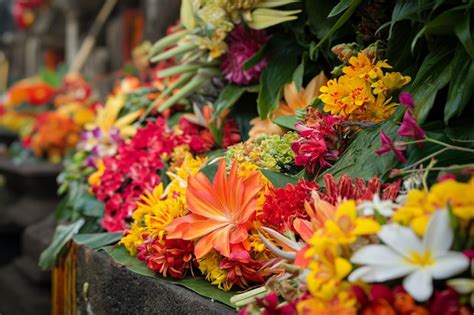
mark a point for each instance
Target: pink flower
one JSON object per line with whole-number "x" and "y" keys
{"x": 407, "y": 100}
{"x": 388, "y": 145}
{"x": 243, "y": 43}
{"x": 409, "y": 128}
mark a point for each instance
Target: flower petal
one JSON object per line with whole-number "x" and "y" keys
{"x": 201, "y": 198}
{"x": 402, "y": 239}
{"x": 204, "y": 245}
{"x": 366, "y": 226}
{"x": 419, "y": 285}
{"x": 221, "y": 240}
{"x": 383, "y": 273}
{"x": 449, "y": 265}
{"x": 438, "y": 236}
{"x": 378, "y": 255}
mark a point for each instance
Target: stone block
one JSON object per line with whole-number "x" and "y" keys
{"x": 104, "y": 287}
{"x": 37, "y": 237}
{"x": 29, "y": 268}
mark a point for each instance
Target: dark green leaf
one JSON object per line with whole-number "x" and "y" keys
{"x": 198, "y": 285}
{"x": 228, "y": 97}
{"x": 461, "y": 86}
{"x": 340, "y": 22}
{"x": 210, "y": 171}
{"x": 97, "y": 240}
{"x": 62, "y": 235}
{"x": 341, "y": 6}
{"x": 360, "y": 159}
{"x": 433, "y": 75}
{"x": 318, "y": 11}
{"x": 257, "y": 57}
{"x": 278, "y": 72}
{"x": 463, "y": 32}
{"x": 279, "y": 179}
{"x": 287, "y": 122}
{"x": 298, "y": 76}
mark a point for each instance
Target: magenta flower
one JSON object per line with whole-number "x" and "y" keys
{"x": 243, "y": 43}
{"x": 407, "y": 100}
{"x": 409, "y": 127}
{"x": 388, "y": 145}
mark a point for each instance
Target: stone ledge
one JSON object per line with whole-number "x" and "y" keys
{"x": 104, "y": 287}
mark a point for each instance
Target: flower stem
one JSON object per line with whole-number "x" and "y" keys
{"x": 449, "y": 146}
{"x": 428, "y": 157}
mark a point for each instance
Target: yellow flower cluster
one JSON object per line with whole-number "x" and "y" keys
{"x": 363, "y": 92}
{"x": 209, "y": 266}
{"x": 421, "y": 204}
{"x": 158, "y": 208}
{"x": 329, "y": 264}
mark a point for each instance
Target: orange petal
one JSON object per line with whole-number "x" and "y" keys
{"x": 201, "y": 198}
{"x": 199, "y": 228}
{"x": 312, "y": 89}
{"x": 300, "y": 259}
{"x": 221, "y": 240}
{"x": 239, "y": 235}
{"x": 304, "y": 229}
{"x": 204, "y": 246}
{"x": 294, "y": 99}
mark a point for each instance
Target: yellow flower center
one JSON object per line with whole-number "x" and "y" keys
{"x": 423, "y": 259}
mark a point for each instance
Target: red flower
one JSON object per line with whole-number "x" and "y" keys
{"x": 407, "y": 100}
{"x": 133, "y": 170}
{"x": 283, "y": 205}
{"x": 231, "y": 133}
{"x": 357, "y": 189}
{"x": 242, "y": 44}
{"x": 409, "y": 128}
{"x": 319, "y": 143}
{"x": 241, "y": 269}
{"x": 446, "y": 302}
{"x": 173, "y": 257}
{"x": 39, "y": 94}
{"x": 388, "y": 145}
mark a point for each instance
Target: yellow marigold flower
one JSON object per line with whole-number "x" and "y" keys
{"x": 391, "y": 81}
{"x": 420, "y": 204}
{"x": 133, "y": 239}
{"x": 347, "y": 226}
{"x": 361, "y": 66}
{"x": 209, "y": 266}
{"x": 162, "y": 213}
{"x": 346, "y": 95}
{"x": 94, "y": 179}
{"x": 179, "y": 179}
{"x": 378, "y": 111}
{"x": 416, "y": 212}
{"x": 327, "y": 268}
{"x": 459, "y": 197}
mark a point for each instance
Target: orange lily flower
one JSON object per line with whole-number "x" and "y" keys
{"x": 294, "y": 100}
{"x": 220, "y": 212}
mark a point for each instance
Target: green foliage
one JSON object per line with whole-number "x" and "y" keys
{"x": 198, "y": 285}
{"x": 287, "y": 122}
{"x": 97, "y": 240}
{"x": 278, "y": 179}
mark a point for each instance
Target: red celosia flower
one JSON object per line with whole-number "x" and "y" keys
{"x": 173, "y": 257}
{"x": 446, "y": 302}
{"x": 388, "y": 145}
{"x": 133, "y": 170}
{"x": 409, "y": 127}
{"x": 231, "y": 134}
{"x": 407, "y": 100}
{"x": 241, "y": 269}
{"x": 242, "y": 44}
{"x": 283, "y": 205}
{"x": 357, "y": 189}
{"x": 319, "y": 143}
{"x": 199, "y": 139}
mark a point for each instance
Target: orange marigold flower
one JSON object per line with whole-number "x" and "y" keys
{"x": 220, "y": 213}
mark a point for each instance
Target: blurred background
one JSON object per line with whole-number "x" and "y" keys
{"x": 97, "y": 39}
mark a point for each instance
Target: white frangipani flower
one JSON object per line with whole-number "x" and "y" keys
{"x": 404, "y": 254}
{"x": 383, "y": 207}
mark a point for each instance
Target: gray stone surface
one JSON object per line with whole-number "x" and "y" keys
{"x": 104, "y": 287}
{"x": 28, "y": 211}
{"x": 18, "y": 296}
{"x": 37, "y": 237}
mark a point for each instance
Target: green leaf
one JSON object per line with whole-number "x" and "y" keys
{"x": 360, "y": 159}
{"x": 97, "y": 240}
{"x": 279, "y": 179}
{"x": 341, "y": 6}
{"x": 287, "y": 122}
{"x": 210, "y": 171}
{"x": 298, "y": 76}
{"x": 340, "y": 22}
{"x": 463, "y": 32}
{"x": 434, "y": 74}
{"x": 228, "y": 97}
{"x": 257, "y": 57}
{"x": 278, "y": 72}
{"x": 62, "y": 235}
{"x": 198, "y": 285}
{"x": 461, "y": 86}
{"x": 50, "y": 77}
{"x": 318, "y": 20}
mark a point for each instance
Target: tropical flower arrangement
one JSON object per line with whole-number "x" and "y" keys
{"x": 291, "y": 156}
